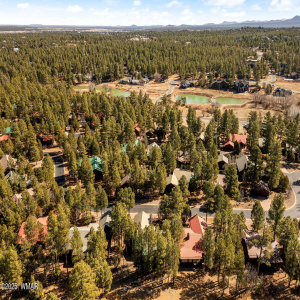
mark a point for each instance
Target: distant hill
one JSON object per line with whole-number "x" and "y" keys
{"x": 284, "y": 23}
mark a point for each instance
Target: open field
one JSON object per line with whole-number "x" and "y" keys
{"x": 289, "y": 85}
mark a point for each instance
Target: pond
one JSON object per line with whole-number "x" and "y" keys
{"x": 204, "y": 100}
{"x": 114, "y": 92}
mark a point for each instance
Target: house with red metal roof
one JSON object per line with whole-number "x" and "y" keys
{"x": 39, "y": 237}
{"x": 240, "y": 138}
{"x": 191, "y": 251}
{"x": 3, "y": 138}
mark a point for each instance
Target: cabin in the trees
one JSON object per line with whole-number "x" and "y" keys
{"x": 252, "y": 252}
{"x": 240, "y": 138}
{"x": 262, "y": 189}
{"x": 186, "y": 84}
{"x": 183, "y": 159}
{"x": 242, "y": 164}
{"x": 280, "y": 92}
{"x": 41, "y": 234}
{"x": 222, "y": 161}
{"x": 143, "y": 219}
{"x": 137, "y": 129}
{"x": 191, "y": 251}
{"x": 241, "y": 86}
{"x": 252, "y": 62}
{"x": 5, "y": 163}
{"x": 46, "y": 139}
{"x": 150, "y": 147}
{"x": 4, "y": 138}
{"x": 220, "y": 85}
{"x": 17, "y": 197}
{"x": 261, "y": 142}
{"x": 229, "y": 146}
{"x": 96, "y": 163}
{"x": 173, "y": 179}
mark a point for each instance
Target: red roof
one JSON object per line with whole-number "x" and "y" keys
{"x": 229, "y": 143}
{"x": 192, "y": 248}
{"x": 240, "y": 138}
{"x": 137, "y": 127}
{"x": 3, "y": 138}
{"x": 197, "y": 224}
{"x": 22, "y": 235}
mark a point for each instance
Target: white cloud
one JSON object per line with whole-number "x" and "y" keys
{"x": 137, "y": 3}
{"x": 228, "y": 14}
{"x": 174, "y": 3}
{"x": 225, "y": 3}
{"x": 256, "y": 7}
{"x": 187, "y": 12}
{"x": 22, "y": 5}
{"x": 74, "y": 8}
{"x": 281, "y": 5}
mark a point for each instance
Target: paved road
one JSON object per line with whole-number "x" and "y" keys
{"x": 58, "y": 168}
{"x": 293, "y": 212}
{"x": 169, "y": 92}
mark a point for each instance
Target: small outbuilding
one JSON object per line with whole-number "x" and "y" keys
{"x": 262, "y": 189}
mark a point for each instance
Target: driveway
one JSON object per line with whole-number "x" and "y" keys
{"x": 58, "y": 168}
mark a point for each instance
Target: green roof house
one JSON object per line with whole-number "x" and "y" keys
{"x": 96, "y": 163}
{"x": 8, "y": 130}
{"x": 125, "y": 145}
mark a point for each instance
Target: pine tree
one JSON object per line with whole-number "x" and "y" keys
{"x": 257, "y": 216}
{"x": 240, "y": 268}
{"x": 83, "y": 282}
{"x": 51, "y": 296}
{"x": 127, "y": 197}
{"x": 255, "y": 166}
{"x": 11, "y": 267}
{"x": 208, "y": 244}
{"x": 292, "y": 256}
{"x": 73, "y": 169}
{"x": 76, "y": 243}
{"x": 273, "y": 165}
{"x": 101, "y": 198}
{"x": 231, "y": 182}
{"x": 276, "y": 212}
{"x": 86, "y": 171}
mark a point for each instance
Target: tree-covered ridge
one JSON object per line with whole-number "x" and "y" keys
{"x": 51, "y": 56}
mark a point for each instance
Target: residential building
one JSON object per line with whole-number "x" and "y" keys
{"x": 191, "y": 251}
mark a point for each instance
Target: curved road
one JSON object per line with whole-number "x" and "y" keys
{"x": 293, "y": 212}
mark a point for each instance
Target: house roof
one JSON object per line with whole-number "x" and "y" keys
{"x": 261, "y": 142}
{"x": 19, "y": 196}
{"x": 179, "y": 173}
{"x": 172, "y": 179}
{"x": 254, "y": 252}
{"x": 241, "y": 163}
{"x": 125, "y": 179}
{"x": 240, "y": 138}
{"x": 223, "y": 158}
{"x": 96, "y": 163}
{"x": 150, "y": 147}
{"x": 142, "y": 218}
{"x": 22, "y": 235}
{"x": 105, "y": 219}
{"x": 125, "y": 145}
{"x": 84, "y": 233}
{"x": 192, "y": 248}
{"x": 4, "y": 137}
{"x": 8, "y": 130}
{"x": 229, "y": 143}
{"x": 262, "y": 186}
{"x": 197, "y": 224}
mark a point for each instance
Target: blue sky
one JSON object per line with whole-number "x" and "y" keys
{"x": 142, "y": 12}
